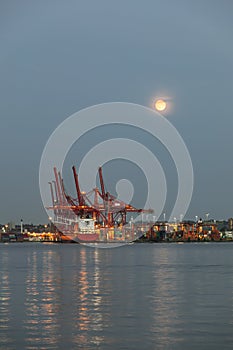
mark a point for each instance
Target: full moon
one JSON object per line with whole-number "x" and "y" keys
{"x": 160, "y": 105}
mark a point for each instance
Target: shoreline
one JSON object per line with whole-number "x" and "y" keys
{"x": 126, "y": 243}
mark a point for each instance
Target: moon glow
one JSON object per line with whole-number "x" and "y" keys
{"x": 160, "y": 105}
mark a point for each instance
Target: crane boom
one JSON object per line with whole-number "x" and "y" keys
{"x": 58, "y": 186}
{"x": 102, "y": 183}
{"x": 79, "y": 194}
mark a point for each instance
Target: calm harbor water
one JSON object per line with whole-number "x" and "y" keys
{"x": 141, "y": 296}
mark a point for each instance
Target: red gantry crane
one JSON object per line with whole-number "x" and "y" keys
{"x": 102, "y": 206}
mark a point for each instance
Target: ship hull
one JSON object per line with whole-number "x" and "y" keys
{"x": 87, "y": 237}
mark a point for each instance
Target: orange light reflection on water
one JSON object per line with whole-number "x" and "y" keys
{"x": 40, "y": 304}
{"x": 163, "y": 299}
{"x": 89, "y": 314}
{"x": 5, "y": 299}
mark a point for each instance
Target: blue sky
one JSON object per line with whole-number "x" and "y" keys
{"x": 58, "y": 57}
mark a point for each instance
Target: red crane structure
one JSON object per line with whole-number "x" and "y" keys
{"x": 105, "y": 209}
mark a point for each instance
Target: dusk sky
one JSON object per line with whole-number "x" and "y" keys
{"x": 58, "y": 57}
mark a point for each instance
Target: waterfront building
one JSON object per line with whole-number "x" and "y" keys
{"x": 230, "y": 224}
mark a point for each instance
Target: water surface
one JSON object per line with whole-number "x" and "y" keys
{"x": 141, "y": 296}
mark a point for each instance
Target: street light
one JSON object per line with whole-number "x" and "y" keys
{"x": 21, "y": 226}
{"x": 50, "y": 224}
